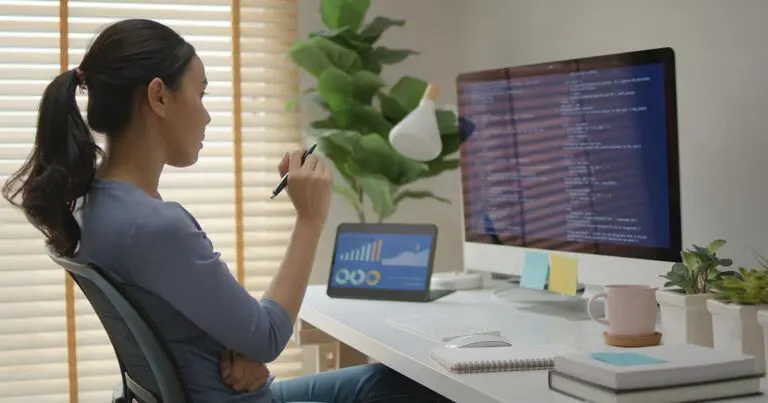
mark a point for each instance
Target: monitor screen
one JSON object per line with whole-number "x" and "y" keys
{"x": 386, "y": 261}
{"x": 577, "y": 155}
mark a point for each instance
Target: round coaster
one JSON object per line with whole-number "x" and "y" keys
{"x": 632, "y": 341}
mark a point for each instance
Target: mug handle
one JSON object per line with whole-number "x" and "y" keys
{"x": 589, "y": 308}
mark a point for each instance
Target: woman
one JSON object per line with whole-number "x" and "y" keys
{"x": 145, "y": 86}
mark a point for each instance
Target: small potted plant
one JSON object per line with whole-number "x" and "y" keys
{"x": 762, "y": 314}
{"x": 683, "y": 300}
{"x": 735, "y": 306}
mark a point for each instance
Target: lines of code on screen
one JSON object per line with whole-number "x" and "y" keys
{"x": 567, "y": 157}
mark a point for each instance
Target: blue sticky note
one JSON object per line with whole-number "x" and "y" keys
{"x": 626, "y": 359}
{"x": 535, "y": 270}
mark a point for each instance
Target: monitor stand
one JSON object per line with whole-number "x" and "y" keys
{"x": 457, "y": 280}
{"x": 546, "y": 303}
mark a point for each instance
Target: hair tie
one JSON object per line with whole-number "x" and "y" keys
{"x": 80, "y": 76}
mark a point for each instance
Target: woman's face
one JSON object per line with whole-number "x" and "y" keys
{"x": 183, "y": 127}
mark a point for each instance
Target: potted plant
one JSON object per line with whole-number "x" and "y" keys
{"x": 735, "y": 306}
{"x": 762, "y": 314}
{"x": 683, "y": 300}
{"x": 359, "y": 109}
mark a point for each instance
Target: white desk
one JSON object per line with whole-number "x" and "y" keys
{"x": 361, "y": 325}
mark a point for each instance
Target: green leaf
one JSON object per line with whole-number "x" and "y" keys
{"x": 409, "y": 91}
{"x": 344, "y": 59}
{"x": 380, "y": 191}
{"x": 701, "y": 252}
{"x": 373, "y": 30}
{"x": 344, "y": 13}
{"x": 385, "y": 55}
{"x": 727, "y": 273}
{"x": 437, "y": 167}
{"x": 369, "y": 61}
{"x": 335, "y": 87}
{"x": 680, "y": 276}
{"x": 743, "y": 273}
{"x": 391, "y": 108}
{"x": 715, "y": 245}
{"x": 365, "y": 86}
{"x": 675, "y": 275}
{"x": 450, "y": 144}
{"x": 689, "y": 259}
{"x": 338, "y": 145}
{"x": 366, "y": 119}
{"x": 307, "y": 56}
{"x": 374, "y": 155}
{"x": 418, "y": 194}
{"x": 346, "y": 172}
{"x": 350, "y": 196}
{"x": 447, "y": 121}
{"x": 292, "y": 105}
{"x": 346, "y": 38}
{"x": 327, "y": 123}
{"x": 682, "y": 269}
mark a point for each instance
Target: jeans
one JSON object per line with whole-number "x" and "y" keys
{"x": 369, "y": 383}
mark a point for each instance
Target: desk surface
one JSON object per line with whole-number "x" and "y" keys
{"x": 361, "y": 325}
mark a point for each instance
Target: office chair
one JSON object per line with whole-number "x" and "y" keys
{"x": 149, "y": 371}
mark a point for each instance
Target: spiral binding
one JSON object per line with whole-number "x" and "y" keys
{"x": 528, "y": 364}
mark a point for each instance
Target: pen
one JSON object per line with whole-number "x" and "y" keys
{"x": 283, "y": 182}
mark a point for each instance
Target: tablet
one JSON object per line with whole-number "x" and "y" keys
{"x": 383, "y": 261}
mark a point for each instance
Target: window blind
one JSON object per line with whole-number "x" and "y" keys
{"x": 227, "y": 190}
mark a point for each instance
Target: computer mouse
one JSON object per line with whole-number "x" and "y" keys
{"x": 478, "y": 340}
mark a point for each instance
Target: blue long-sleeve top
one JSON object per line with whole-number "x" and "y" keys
{"x": 169, "y": 266}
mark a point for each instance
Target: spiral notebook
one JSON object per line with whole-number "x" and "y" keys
{"x": 499, "y": 359}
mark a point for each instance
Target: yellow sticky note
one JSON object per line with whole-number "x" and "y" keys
{"x": 563, "y": 275}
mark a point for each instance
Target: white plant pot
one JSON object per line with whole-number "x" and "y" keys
{"x": 762, "y": 318}
{"x": 685, "y": 318}
{"x": 736, "y": 329}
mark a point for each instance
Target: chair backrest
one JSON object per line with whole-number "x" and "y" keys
{"x": 150, "y": 371}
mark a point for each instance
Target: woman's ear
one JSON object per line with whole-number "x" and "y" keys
{"x": 157, "y": 96}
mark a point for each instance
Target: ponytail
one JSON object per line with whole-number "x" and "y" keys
{"x": 60, "y": 169}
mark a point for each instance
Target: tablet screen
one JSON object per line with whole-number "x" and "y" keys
{"x": 397, "y": 261}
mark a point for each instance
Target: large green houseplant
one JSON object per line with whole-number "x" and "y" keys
{"x": 361, "y": 108}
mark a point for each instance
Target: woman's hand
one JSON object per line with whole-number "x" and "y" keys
{"x": 309, "y": 186}
{"x": 241, "y": 373}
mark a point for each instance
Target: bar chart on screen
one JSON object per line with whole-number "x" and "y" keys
{"x": 369, "y": 252}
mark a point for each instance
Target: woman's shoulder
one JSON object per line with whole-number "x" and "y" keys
{"x": 163, "y": 219}
{"x": 120, "y": 218}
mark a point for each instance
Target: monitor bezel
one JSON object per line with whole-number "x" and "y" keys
{"x": 666, "y": 57}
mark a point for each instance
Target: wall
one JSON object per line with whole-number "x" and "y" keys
{"x": 722, "y": 66}
{"x": 722, "y": 63}
{"x": 431, "y": 30}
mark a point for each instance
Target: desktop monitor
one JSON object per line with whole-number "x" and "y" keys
{"x": 578, "y": 157}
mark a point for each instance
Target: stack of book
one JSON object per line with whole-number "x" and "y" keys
{"x": 659, "y": 374}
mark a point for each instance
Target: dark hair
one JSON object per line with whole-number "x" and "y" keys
{"x": 120, "y": 62}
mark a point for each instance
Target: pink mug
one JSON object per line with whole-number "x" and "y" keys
{"x": 630, "y": 310}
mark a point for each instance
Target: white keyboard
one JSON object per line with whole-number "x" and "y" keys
{"x": 440, "y": 327}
